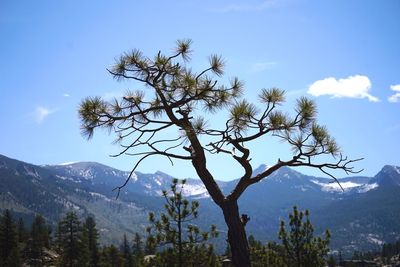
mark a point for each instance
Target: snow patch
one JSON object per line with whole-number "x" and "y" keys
{"x": 68, "y": 178}
{"x": 70, "y": 205}
{"x": 87, "y": 174}
{"x": 195, "y": 190}
{"x": 134, "y": 177}
{"x": 31, "y": 172}
{"x": 367, "y": 187}
{"x": 397, "y": 169}
{"x": 374, "y": 239}
{"x": 302, "y": 188}
{"x": 334, "y": 187}
{"x": 157, "y": 180}
{"x": 148, "y": 186}
{"x": 132, "y": 205}
{"x": 66, "y": 163}
{"x": 94, "y": 194}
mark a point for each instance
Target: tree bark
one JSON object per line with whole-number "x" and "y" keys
{"x": 236, "y": 234}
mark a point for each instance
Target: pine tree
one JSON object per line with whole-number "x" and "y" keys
{"x": 21, "y": 231}
{"x": 14, "y": 259}
{"x": 126, "y": 252}
{"x": 8, "y": 236}
{"x": 137, "y": 249}
{"x": 331, "y": 261}
{"x": 91, "y": 238}
{"x": 275, "y": 255}
{"x": 173, "y": 230}
{"x": 70, "y": 241}
{"x": 270, "y": 255}
{"x": 111, "y": 257}
{"x": 302, "y": 249}
{"x": 39, "y": 239}
{"x": 177, "y": 98}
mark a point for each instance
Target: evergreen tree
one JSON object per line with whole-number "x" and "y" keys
{"x": 91, "y": 238}
{"x": 8, "y": 237}
{"x": 72, "y": 248}
{"x": 39, "y": 239}
{"x": 14, "y": 259}
{"x": 302, "y": 249}
{"x": 126, "y": 252}
{"x": 174, "y": 231}
{"x": 137, "y": 249}
{"x": 257, "y": 251}
{"x": 177, "y": 99}
{"x": 265, "y": 256}
{"x": 274, "y": 255}
{"x": 21, "y": 231}
{"x": 110, "y": 257}
{"x": 331, "y": 261}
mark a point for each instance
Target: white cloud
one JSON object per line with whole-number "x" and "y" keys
{"x": 66, "y": 95}
{"x": 396, "y": 97}
{"x": 356, "y": 86}
{"x": 261, "y": 66}
{"x": 41, "y": 113}
{"x": 245, "y": 7}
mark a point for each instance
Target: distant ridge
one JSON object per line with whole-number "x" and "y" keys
{"x": 366, "y": 214}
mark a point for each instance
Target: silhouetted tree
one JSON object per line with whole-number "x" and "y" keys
{"x": 178, "y": 98}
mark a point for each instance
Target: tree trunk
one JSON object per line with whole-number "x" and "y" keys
{"x": 236, "y": 235}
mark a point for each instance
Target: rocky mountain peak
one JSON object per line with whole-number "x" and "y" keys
{"x": 388, "y": 176}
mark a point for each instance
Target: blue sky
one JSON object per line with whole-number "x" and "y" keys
{"x": 345, "y": 54}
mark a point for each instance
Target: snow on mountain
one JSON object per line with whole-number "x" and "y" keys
{"x": 388, "y": 176}
{"x": 153, "y": 184}
{"x": 367, "y": 206}
{"x": 284, "y": 174}
{"x": 397, "y": 169}
{"x": 195, "y": 190}
{"x": 66, "y": 163}
{"x": 331, "y": 186}
{"x": 374, "y": 239}
{"x": 367, "y": 187}
{"x": 30, "y": 171}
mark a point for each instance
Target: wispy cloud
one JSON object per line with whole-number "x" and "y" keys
{"x": 245, "y": 7}
{"x": 40, "y": 113}
{"x": 261, "y": 66}
{"x": 66, "y": 95}
{"x": 396, "y": 97}
{"x": 356, "y": 86}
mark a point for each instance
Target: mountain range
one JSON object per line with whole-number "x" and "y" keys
{"x": 362, "y": 217}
